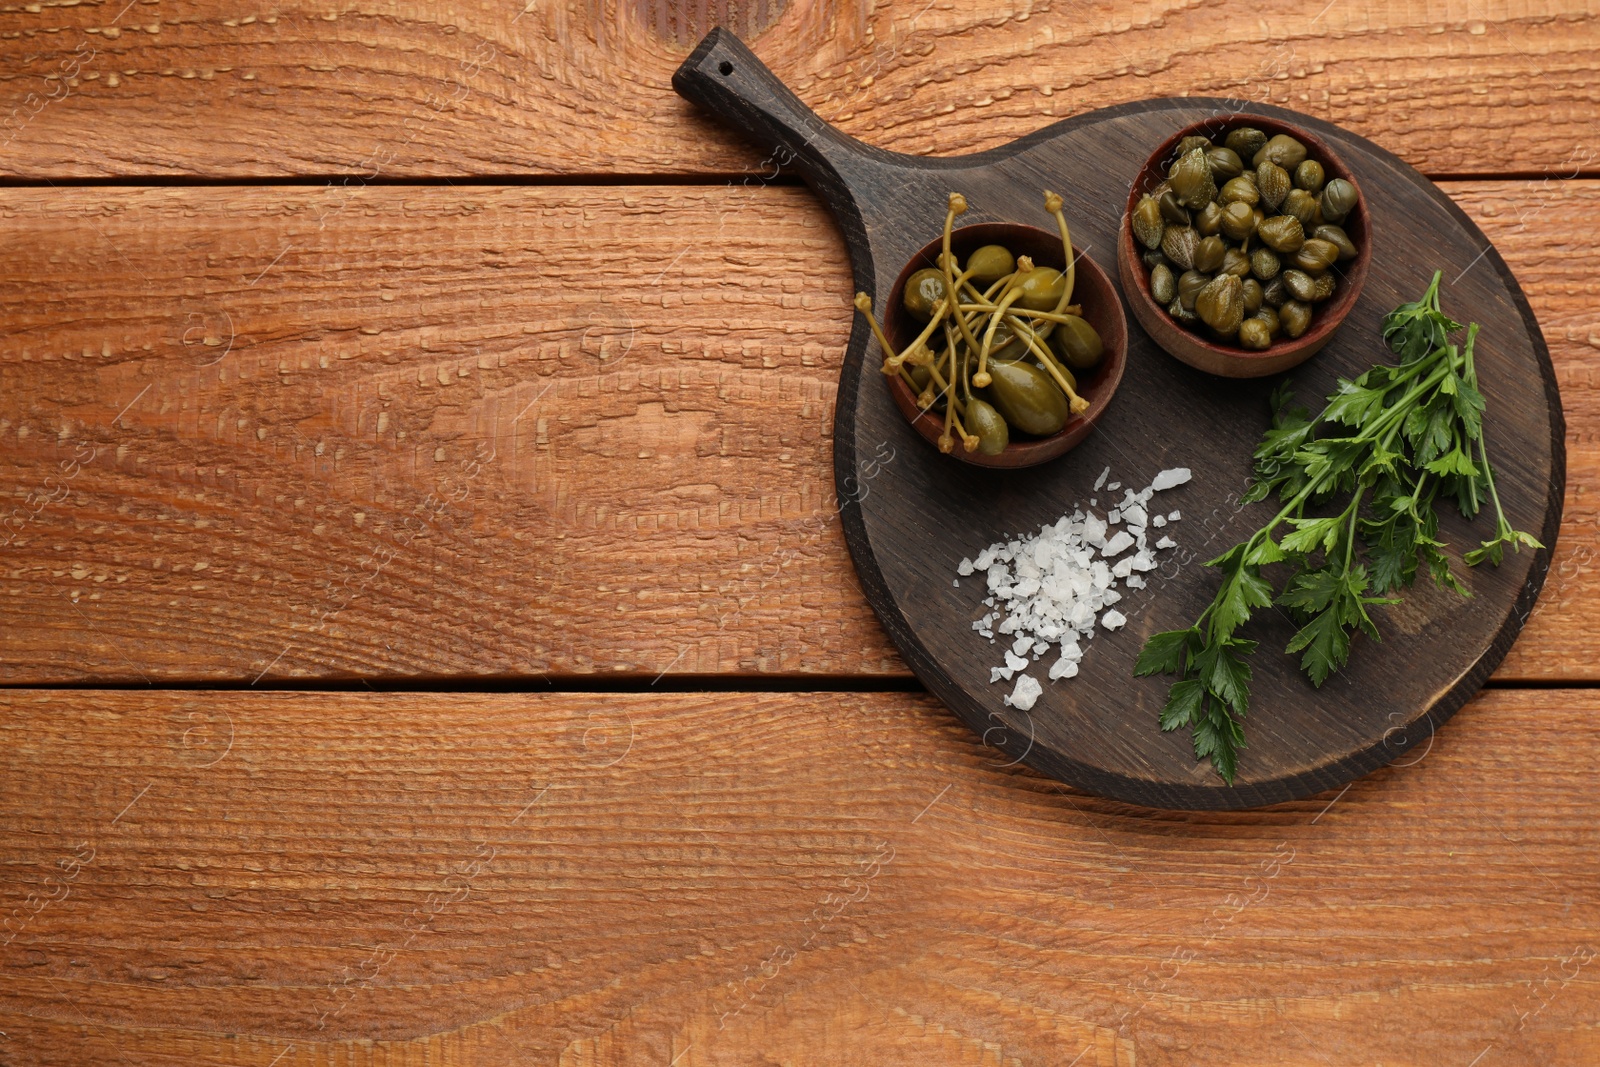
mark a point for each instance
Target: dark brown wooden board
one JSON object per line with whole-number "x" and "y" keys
{"x": 910, "y": 514}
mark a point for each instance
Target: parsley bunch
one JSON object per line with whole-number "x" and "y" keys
{"x": 1389, "y": 445}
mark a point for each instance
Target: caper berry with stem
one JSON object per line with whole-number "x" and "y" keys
{"x": 990, "y": 263}
{"x": 1078, "y": 344}
{"x": 924, "y": 292}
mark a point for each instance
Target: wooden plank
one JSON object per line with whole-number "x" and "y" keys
{"x": 389, "y": 88}
{"x": 317, "y": 497}
{"x": 627, "y": 879}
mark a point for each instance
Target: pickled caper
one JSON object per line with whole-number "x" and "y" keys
{"x": 1309, "y": 176}
{"x": 1253, "y": 295}
{"x": 1325, "y": 287}
{"x": 1253, "y": 334}
{"x": 1235, "y": 262}
{"x": 1178, "y": 243}
{"x": 1193, "y": 141}
{"x": 1238, "y": 191}
{"x": 1246, "y": 141}
{"x": 1225, "y": 163}
{"x": 1301, "y": 286}
{"x": 1209, "y": 254}
{"x": 1153, "y": 259}
{"x": 1303, "y": 206}
{"x": 1272, "y": 182}
{"x": 1220, "y": 304}
{"x": 1163, "y": 285}
{"x": 1192, "y": 181}
{"x": 1336, "y": 236}
{"x": 1282, "y": 233}
{"x": 1274, "y": 294}
{"x": 1238, "y": 221}
{"x": 1294, "y": 317}
{"x": 1147, "y": 223}
{"x": 1338, "y": 200}
{"x": 1264, "y": 263}
{"x": 1181, "y": 313}
{"x": 1316, "y": 255}
{"x": 1027, "y": 398}
{"x": 1208, "y": 220}
{"x": 1172, "y": 210}
{"x": 1269, "y": 315}
{"x": 1281, "y": 149}
{"x": 1189, "y": 285}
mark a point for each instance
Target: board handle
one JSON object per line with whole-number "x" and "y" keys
{"x": 725, "y": 78}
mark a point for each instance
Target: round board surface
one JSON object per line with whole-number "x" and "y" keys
{"x": 910, "y": 514}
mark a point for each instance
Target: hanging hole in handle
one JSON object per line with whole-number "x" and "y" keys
{"x": 725, "y": 67}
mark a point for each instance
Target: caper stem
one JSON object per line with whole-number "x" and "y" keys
{"x": 982, "y": 377}
{"x": 1072, "y": 311}
{"x": 864, "y": 305}
{"x": 1052, "y": 204}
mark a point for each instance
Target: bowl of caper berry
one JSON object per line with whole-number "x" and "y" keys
{"x": 1244, "y": 245}
{"x": 1021, "y": 367}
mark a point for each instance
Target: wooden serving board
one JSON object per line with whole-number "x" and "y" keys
{"x": 910, "y": 514}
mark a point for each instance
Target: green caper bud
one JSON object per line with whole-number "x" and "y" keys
{"x": 1282, "y": 233}
{"x": 1181, "y": 313}
{"x": 1301, "y": 286}
{"x": 1220, "y": 304}
{"x": 991, "y": 263}
{"x": 1163, "y": 286}
{"x": 1294, "y": 317}
{"x": 1273, "y": 294}
{"x": 1283, "y": 150}
{"x": 1269, "y": 315}
{"x": 1193, "y": 141}
{"x": 1192, "y": 179}
{"x": 1154, "y": 259}
{"x": 1238, "y": 221}
{"x": 1209, "y": 254}
{"x": 1236, "y": 263}
{"x": 1264, "y": 263}
{"x": 1272, "y": 181}
{"x": 1336, "y": 236}
{"x": 1303, "y": 206}
{"x": 1189, "y": 286}
{"x": 1246, "y": 141}
{"x": 921, "y": 375}
{"x": 924, "y": 292}
{"x": 1077, "y": 343}
{"x": 1146, "y": 222}
{"x": 1042, "y": 289}
{"x": 1253, "y": 334}
{"x": 1309, "y": 176}
{"x": 1325, "y": 285}
{"x": 1316, "y": 255}
{"x": 1208, "y": 220}
{"x": 1225, "y": 163}
{"x": 1179, "y": 243}
{"x": 985, "y": 423}
{"x": 1338, "y": 200}
{"x": 1239, "y": 190}
{"x": 1253, "y": 296}
{"x": 1171, "y": 210}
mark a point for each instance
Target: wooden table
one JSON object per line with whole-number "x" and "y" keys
{"x": 426, "y": 634}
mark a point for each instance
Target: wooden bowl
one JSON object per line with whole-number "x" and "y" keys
{"x": 1195, "y": 348}
{"x": 1092, "y": 289}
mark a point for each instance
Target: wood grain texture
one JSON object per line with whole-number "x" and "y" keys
{"x": 299, "y": 879}
{"x": 394, "y": 88}
{"x": 714, "y": 552}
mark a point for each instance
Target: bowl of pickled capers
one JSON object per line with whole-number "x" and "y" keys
{"x": 1021, "y": 366}
{"x": 1244, "y": 245}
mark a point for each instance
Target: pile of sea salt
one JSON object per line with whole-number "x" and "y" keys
{"x": 1050, "y": 590}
